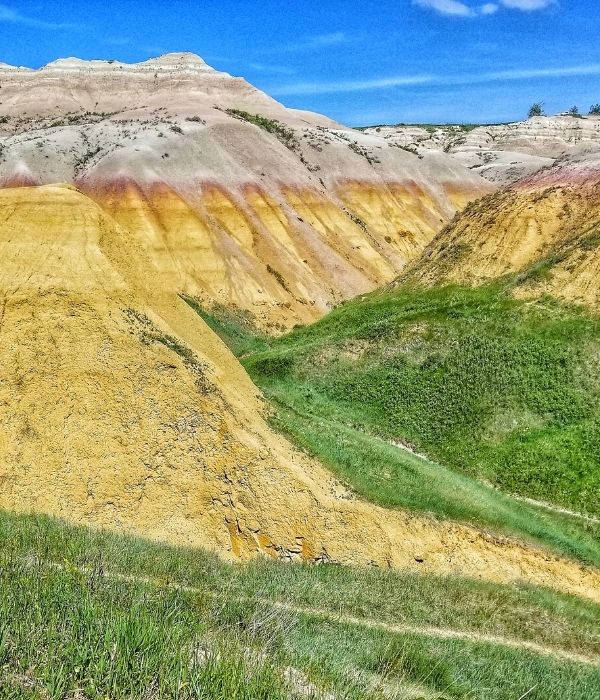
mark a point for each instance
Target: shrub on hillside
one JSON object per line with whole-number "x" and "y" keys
{"x": 536, "y": 110}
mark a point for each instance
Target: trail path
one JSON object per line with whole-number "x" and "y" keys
{"x": 366, "y": 623}
{"x": 516, "y": 497}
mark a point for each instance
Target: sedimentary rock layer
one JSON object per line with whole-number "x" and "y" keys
{"x": 502, "y": 153}
{"x": 546, "y": 227}
{"x": 120, "y": 408}
{"x": 234, "y": 198}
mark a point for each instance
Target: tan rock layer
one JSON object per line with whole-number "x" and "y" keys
{"x": 286, "y": 255}
{"x": 235, "y": 198}
{"x": 551, "y": 219}
{"x": 120, "y": 409}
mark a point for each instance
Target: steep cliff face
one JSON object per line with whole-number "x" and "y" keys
{"x": 546, "y": 227}
{"x": 234, "y": 198}
{"x": 121, "y": 409}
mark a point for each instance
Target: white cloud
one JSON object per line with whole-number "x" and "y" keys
{"x": 457, "y": 8}
{"x": 447, "y": 7}
{"x": 528, "y": 5}
{"x": 526, "y": 74}
{"x": 8, "y": 15}
{"x": 350, "y": 85}
{"x": 275, "y": 70}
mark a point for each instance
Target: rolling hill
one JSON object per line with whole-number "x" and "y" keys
{"x": 237, "y": 336}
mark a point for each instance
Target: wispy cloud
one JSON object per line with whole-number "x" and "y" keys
{"x": 408, "y": 80}
{"x": 527, "y": 74}
{"x": 350, "y": 85}
{"x": 528, "y": 5}
{"x": 11, "y": 16}
{"x": 447, "y": 7}
{"x": 274, "y": 70}
{"x": 489, "y": 8}
{"x": 457, "y": 8}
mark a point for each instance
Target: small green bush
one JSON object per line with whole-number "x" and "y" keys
{"x": 536, "y": 110}
{"x": 272, "y": 126}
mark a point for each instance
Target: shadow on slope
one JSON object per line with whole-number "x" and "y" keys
{"x": 126, "y": 618}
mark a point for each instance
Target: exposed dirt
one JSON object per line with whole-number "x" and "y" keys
{"x": 545, "y": 228}
{"x": 121, "y": 409}
{"x": 284, "y": 219}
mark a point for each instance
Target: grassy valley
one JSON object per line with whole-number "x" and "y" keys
{"x": 90, "y": 615}
{"x": 448, "y": 401}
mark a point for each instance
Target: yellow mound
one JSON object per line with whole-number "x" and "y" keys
{"x": 120, "y": 408}
{"x": 548, "y": 232}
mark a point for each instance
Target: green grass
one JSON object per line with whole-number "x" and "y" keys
{"x": 236, "y": 329}
{"x": 502, "y": 390}
{"x": 502, "y": 396}
{"x": 68, "y": 621}
{"x": 381, "y": 473}
{"x": 272, "y": 126}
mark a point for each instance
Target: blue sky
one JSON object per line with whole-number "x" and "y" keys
{"x": 361, "y": 61}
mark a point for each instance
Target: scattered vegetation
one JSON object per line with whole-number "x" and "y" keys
{"x": 279, "y": 277}
{"x": 150, "y": 334}
{"x": 84, "y": 159}
{"x": 87, "y": 614}
{"x": 430, "y": 128}
{"x": 363, "y": 152}
{"x": 574, "y": 111}
{"x": 272, "y": 126}
{"x": 536, "y": 110}
{"x": 410, "y": 148}
{"x": 595, "y": 109}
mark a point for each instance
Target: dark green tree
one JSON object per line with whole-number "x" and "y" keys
{"x": 536, "y": 110}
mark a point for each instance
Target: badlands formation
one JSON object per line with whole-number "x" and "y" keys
{"x": 545, "y": 229}
{"x": 282, "y": 223}
{"x": 125, "y": 187}
{"x": 121, "y": 409}
{"x": 502, "y": 153}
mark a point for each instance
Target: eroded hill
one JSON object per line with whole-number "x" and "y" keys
{"x": 502, "y": 153}
{"x": 235, "y": 199}
{"x": 121, "y": 409}
{"x": 545, "y": 230}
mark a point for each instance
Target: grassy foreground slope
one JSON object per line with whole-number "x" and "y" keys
{"x": 498, "y": 391}
{"x": 86, "y": 614}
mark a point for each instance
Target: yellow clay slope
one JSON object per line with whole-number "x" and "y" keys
{"x": 548, "y": 222}
{"x": 119, "y": 408}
